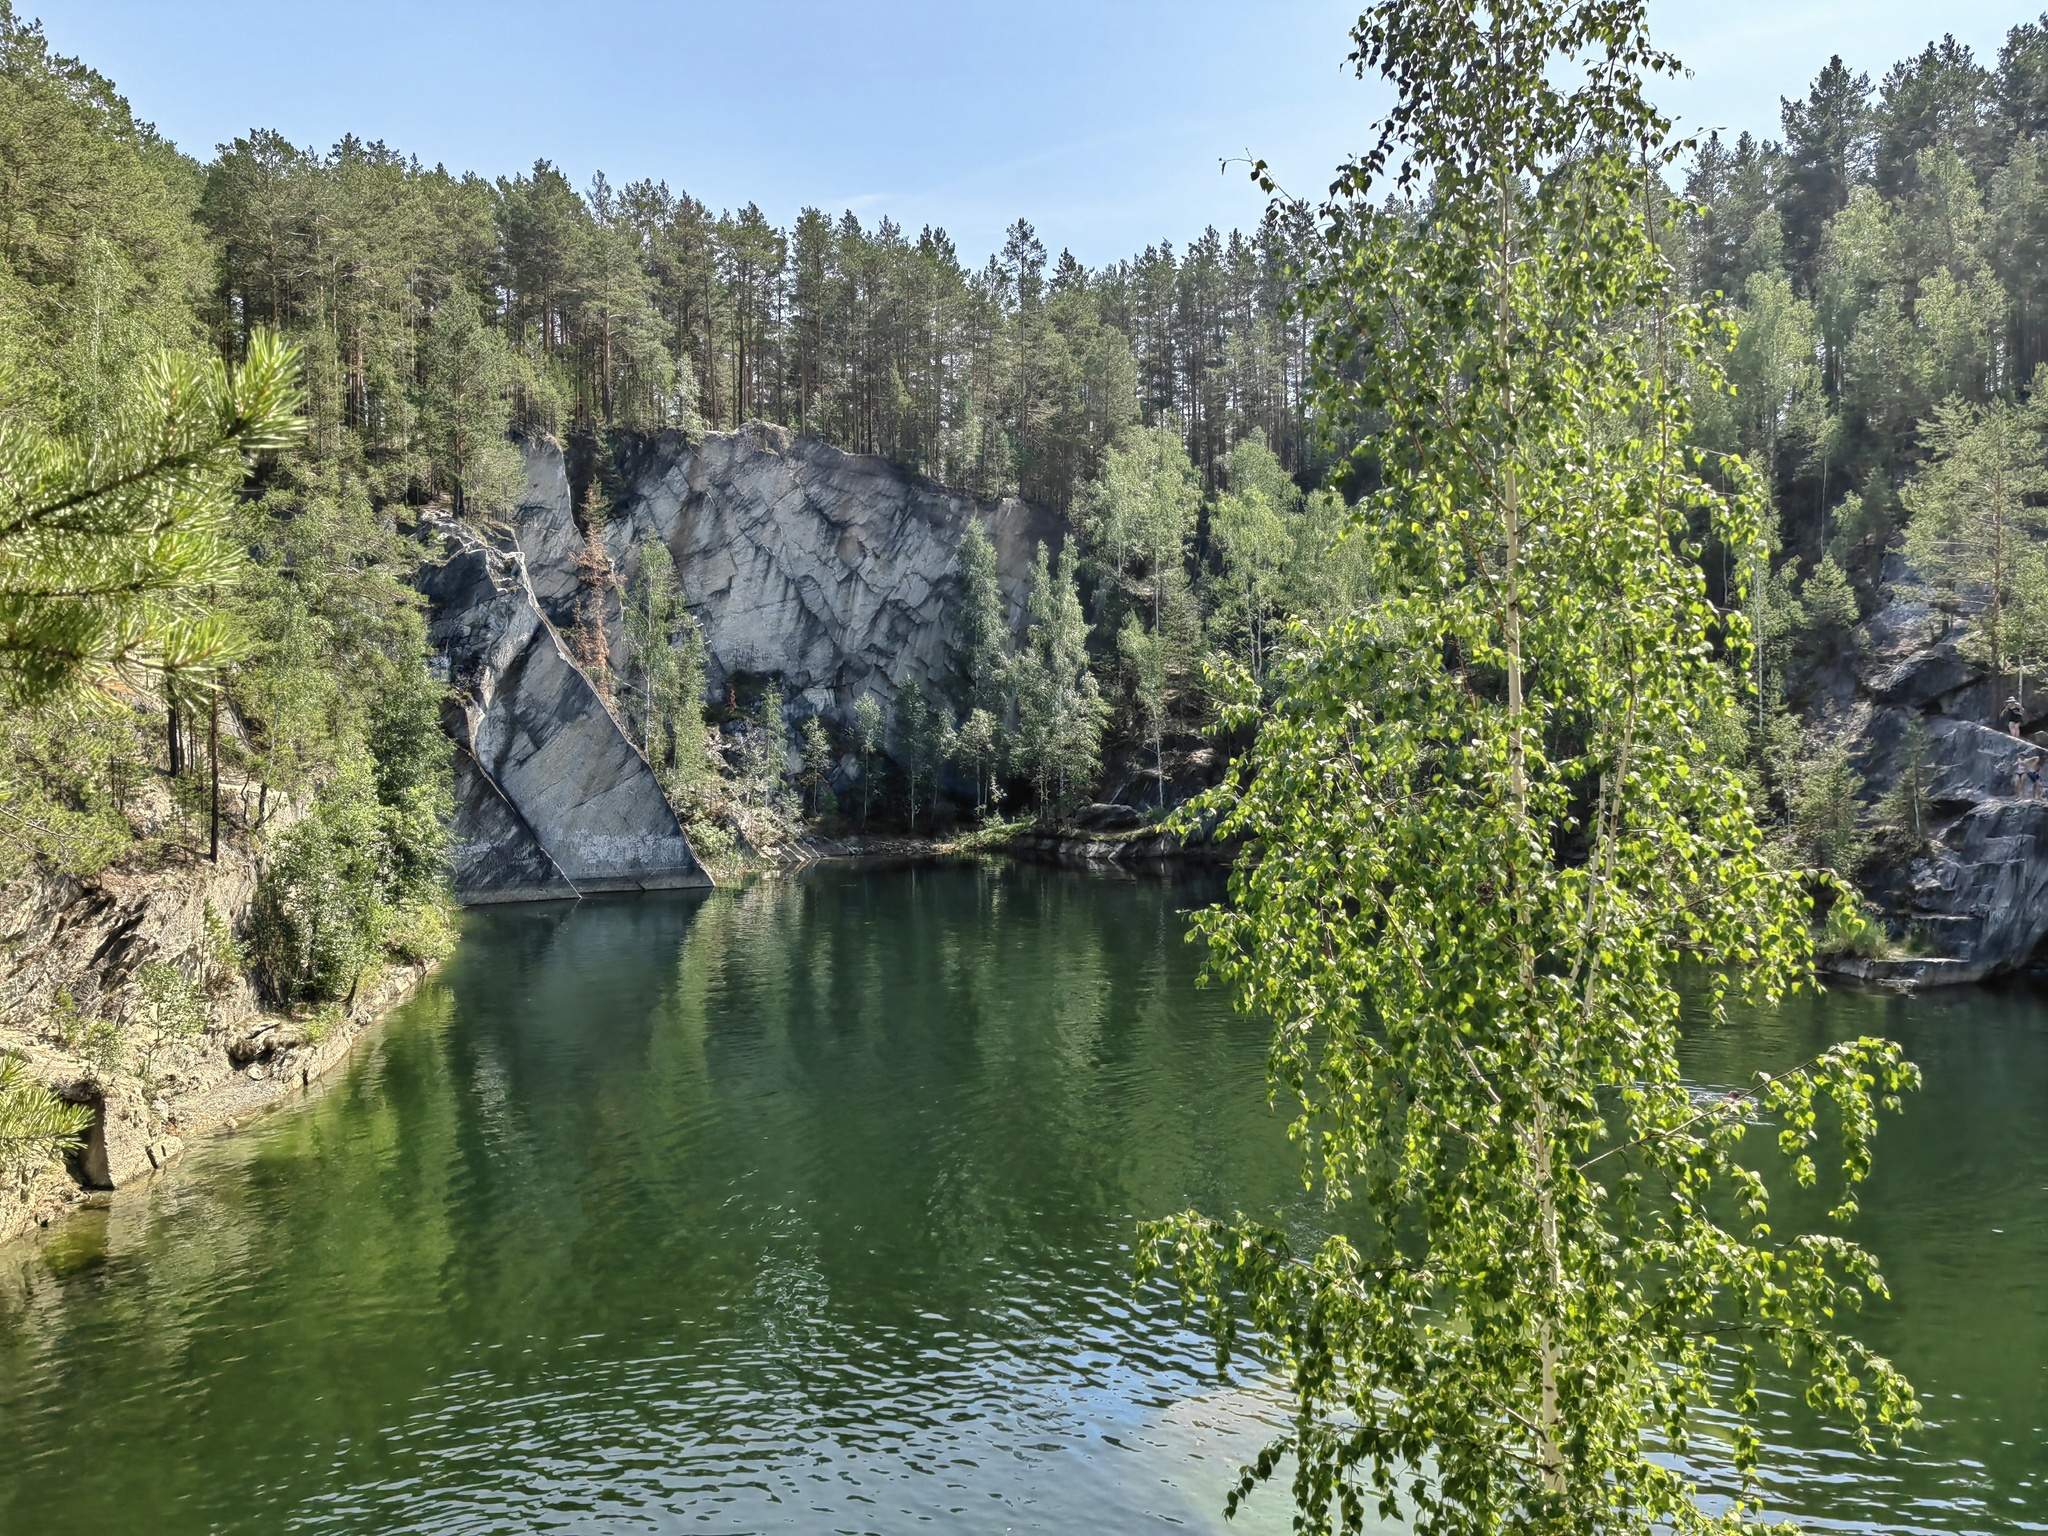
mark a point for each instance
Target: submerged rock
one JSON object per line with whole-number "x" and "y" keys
{"x": 554, "y": 799}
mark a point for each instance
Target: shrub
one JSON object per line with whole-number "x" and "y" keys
{"x": 363, "y": 871}
{"x": 421, "y": 931}
{"x": 321, "y": 910}
{"x": 1851, "y": 928}
{"x": 99, "y": 1042}
{"x": 224, "y": 954}
{"x": 172, "y": 1011}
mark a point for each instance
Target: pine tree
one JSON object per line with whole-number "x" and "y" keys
{"x": 1060, "y": 710}
{"x": 982, "y": 641}
{"x": 467, "y": 374}
{"x": 115, "y": 546}
{"x": 1828, "y": 611}
{"x": 35, "y": 1125}
{"x": 1976, "y": 515}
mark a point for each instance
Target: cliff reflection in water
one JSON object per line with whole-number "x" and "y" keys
{"x": 808, "y": 1207}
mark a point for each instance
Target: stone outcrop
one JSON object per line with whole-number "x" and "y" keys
{"x": 494, "y": 854}
{"x": 835, "y": 573}
{"x": 1969, "y": 897}
{"x": 555, "y": 800}
{"x": 71, "y": 953}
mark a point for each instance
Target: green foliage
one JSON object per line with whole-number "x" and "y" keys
{"x": 112, "y": 544}
{"x": 815, "y": 750}
{"x": 712, "y": 842}
{"x": 100, "y": 262}
{"x": 338, "y": 637}
{"x": 360, "y": 873}
{"x": 66, "y": 774}
{"x": 1140, "y": 512}
{"x": 170, "y": 1011}
{"x": 1879, "y": 260}
{"x": 1828, "y": 828}
{"x": 982, "y": 641}
{"x": 924, "y": 741}
{"x": 1828, "y": 610}
{"x": 1904, "y": 809}
{"x": 978, "y": 747}
{"x": 421, "y": 932}
{"x": 319, "y": 918}
{"x": 1484, "y": 820}
{"x": 467, "y": 374}
{"x": 764, "y": 769}
{"x": 1976, "y": 518}
{"x": 1060, "y": 710}
{"x": 1851, "y": 928}
{"x": 223, "y": 955}
{"x": 1148, "y": 659}
{"x": 321, "y": 1022}
{"x": 665, "y": 676}
{"x": 99, "y": 1043}
{"x": 1250, "y": 524}
{"x": 869, "y": 727}
{"x": 35, "y": 1125}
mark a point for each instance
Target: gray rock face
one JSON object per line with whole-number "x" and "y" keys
{"x": 495, "y": 855}
{"x": 1975, "y": 897}
{"x": 837, "y": 573}
{"x": 555, "y": 800}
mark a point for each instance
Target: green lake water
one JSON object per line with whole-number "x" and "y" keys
{"x": 809, "y": 1208}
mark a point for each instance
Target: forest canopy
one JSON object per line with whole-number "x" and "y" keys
{"x": 1877, "y": 257}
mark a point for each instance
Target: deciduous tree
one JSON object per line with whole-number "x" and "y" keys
{"x": 1484, "y": 821}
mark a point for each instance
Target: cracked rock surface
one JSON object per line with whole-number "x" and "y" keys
{"x": 1973, "y": 896}
{"x": 553, "y": 799}
{"x": 836, "y": 573}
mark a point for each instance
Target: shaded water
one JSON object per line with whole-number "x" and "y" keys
{"x": 809, "y": 1207}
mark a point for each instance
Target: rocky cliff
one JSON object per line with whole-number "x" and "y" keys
{"x": 836, "y": 573}
{"x": 553, "y": 799}
{"x": 1968, "y": 897}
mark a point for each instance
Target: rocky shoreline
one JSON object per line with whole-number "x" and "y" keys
{"x": 76, "y": 959}
{"x": 264, "y": 1060}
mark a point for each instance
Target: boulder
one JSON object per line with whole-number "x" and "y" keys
{"x": 117, "y": 1147}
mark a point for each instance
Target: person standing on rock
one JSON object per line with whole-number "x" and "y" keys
{"x": 2011, "y": 716}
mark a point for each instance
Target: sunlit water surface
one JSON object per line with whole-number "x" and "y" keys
{"x": 809, "y": 1208}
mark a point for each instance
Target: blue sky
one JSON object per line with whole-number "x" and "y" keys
{"x": 1102, "y": 123}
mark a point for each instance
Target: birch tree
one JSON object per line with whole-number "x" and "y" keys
{"x": 1483, "y": 824}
